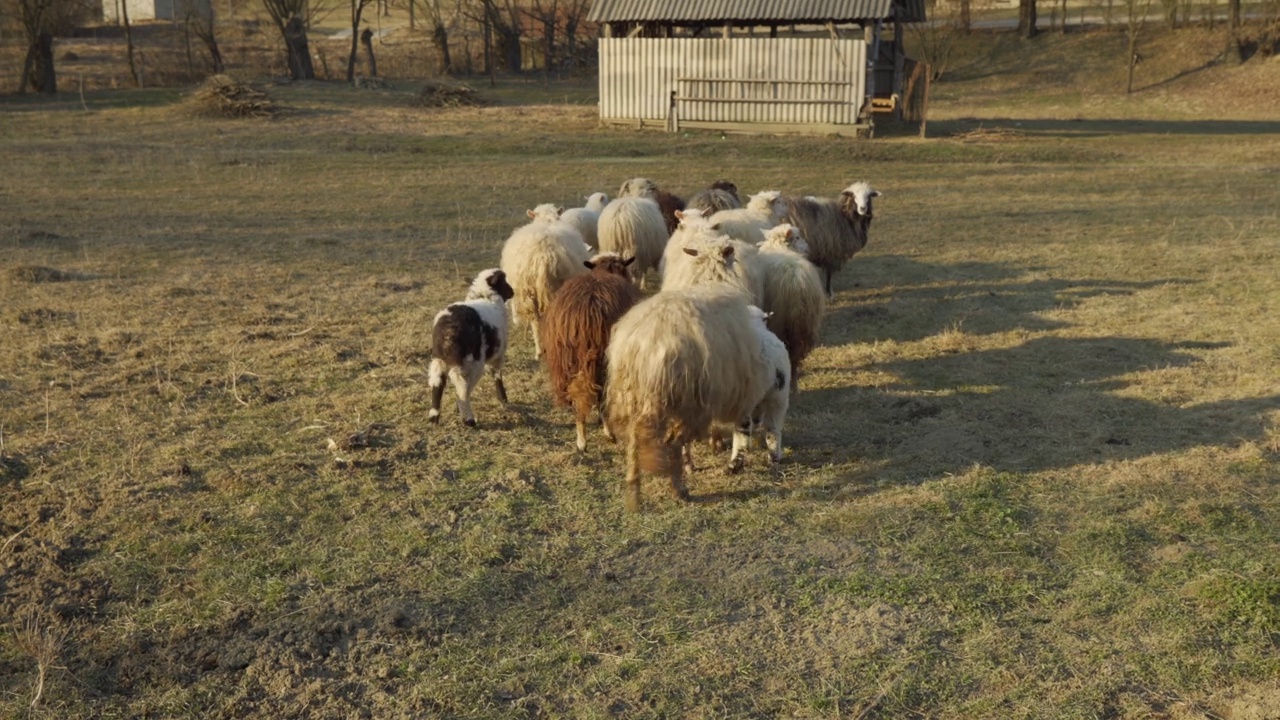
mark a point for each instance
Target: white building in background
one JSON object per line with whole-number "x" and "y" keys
{"x": 140, "y": 10}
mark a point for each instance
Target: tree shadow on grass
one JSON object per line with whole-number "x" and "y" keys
{"x": 905, "y": 300}
{"x": 1095, "y": 127}
{"x": 1047, "y": 404}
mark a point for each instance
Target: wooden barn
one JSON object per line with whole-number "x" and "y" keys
{"x": 770, "y": 66}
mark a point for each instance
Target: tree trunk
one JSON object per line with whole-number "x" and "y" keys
{"x": 215, "y": 55}
{"x": 1027, "y": 19}
{"x": 357, "y": 9}
{"x": 366, "y": 39}
{"x": 966, "y": 16}
{"x": 1064, "y": 17}
{"x": 128, "y": 42}
{"x": 295, "y": 40}
{"x": 1133, "y": 56}
{"x": 440, "y": 39}
{"x": 1233, "y": 54}
{"x": 38, "y": 69}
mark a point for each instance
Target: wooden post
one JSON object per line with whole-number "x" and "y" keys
{"x": 924, "y": 101}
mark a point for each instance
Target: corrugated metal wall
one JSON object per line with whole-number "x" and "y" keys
{"x": 734, "y": 80}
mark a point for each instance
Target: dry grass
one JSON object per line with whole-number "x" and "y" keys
{"x": 448, "y": 95}
{"x": 223, "y": 96}
{"x": 1033, "y": 470}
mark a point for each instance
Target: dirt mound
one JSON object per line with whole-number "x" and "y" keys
{"x": 226, "y": 97}
{"x": 442, "y": 95}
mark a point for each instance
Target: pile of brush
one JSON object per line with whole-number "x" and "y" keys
{"x": 225, "y": 96}
{"x": 441, "y": 95}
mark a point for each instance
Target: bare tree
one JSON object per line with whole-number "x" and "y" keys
{"x": 439, "y": 14}
{"x": 546, "y": 12}
{"x": 937, "y": 37}
{"x": 41, "y": 20}
{"x": 1233, "y": 54}
{"x": 501, "y": 22}
{"x": 357, "y": 9}
{"x": 128, "y": 43}
{"x": 1137, "y": 12}
{"x": 290, "y": 17}
{"x": 574, "y": 12}
{"x": 1027, "y": 19}
{"x": 200, "y": 21}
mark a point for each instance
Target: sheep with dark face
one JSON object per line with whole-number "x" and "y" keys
{"x": 667, "y": 203}
{"x": 576, "y": 330}
{"x": 836, "y": 228}
{"x": 722, "y": 195}
{"x": 467, "y": 337}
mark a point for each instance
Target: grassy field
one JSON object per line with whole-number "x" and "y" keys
{"x": 1033, "y": 471}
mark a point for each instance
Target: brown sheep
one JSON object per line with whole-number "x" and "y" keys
{"x": 575, "y": 332}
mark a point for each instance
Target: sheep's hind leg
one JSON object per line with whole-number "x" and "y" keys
{"x": 679, "y": 490}
{"x": 496, "y": 372}
{"x": 631, "y": 491}
{"x": 462, "y": 385}
{"x": 435, "y": 379}
{"x": 741, "y": 441}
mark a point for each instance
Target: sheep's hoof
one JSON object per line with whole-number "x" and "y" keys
{"x": 433, "y": 419}
{"x": 469, "y": 422}
{"x": 736, "y": 465}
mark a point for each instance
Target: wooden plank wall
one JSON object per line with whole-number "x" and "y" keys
{"x": 818, "y": 80}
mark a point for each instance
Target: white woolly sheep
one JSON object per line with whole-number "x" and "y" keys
{"x": 835, "y": 228}
{"x": 679, "y": 361}
{"x": 701, "y": 256}
{"x": 537, "y": 259}
{"x": 769, "y": 414}
{"x": 467, "y": 337}
{"x": 749, "y": 224}
{"x": 633, "y": 227}
{"x": 586, "y": 219}
{"x": 793, "y": 294}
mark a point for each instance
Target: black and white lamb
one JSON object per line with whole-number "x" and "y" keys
{"x": 466, "y": 337}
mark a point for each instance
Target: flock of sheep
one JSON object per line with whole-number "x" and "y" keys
{"x": 716, "y": 351}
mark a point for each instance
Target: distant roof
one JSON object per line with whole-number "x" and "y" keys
{"x": 759, "y": 11}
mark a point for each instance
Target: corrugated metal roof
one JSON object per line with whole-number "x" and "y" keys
{"x": 684, "y": 11}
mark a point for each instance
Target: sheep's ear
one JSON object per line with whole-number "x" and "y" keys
{"x": 679, "y": 214}
{"x": 560, "y": 210}
{"x": 590, "y": 265}
{"x": 687, "y": 251}
{"x": 875, "y": 193}
{"x": 716, "y": 227}
{"x": 727, "y": 252}
{"x": 531, "y": 213}
{"x": 628, "y": 261}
